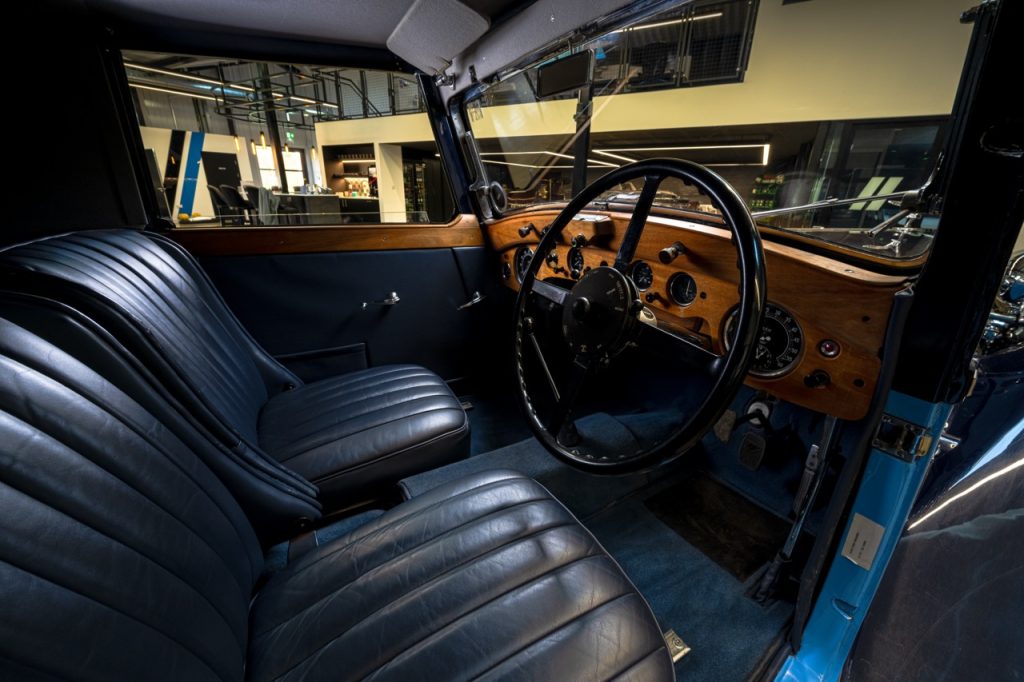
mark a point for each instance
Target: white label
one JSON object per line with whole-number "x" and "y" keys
{"x": 862, "y": 541}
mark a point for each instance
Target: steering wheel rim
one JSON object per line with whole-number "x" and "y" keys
{"x": 728, "y": 370}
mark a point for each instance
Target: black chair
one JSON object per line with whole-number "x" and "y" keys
{"x": 348, "y": 435}
{"x": 222, "y": 208}
{"x": 239, "y": 204}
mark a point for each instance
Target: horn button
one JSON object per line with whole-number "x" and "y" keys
{"x": 599, "y": 312}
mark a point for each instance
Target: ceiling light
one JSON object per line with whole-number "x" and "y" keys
{"x": 171, "y": 92}
{"x": 620, "y": 157}
{"x": 560, "y": 155}
{"x": 670, "y": 22}
{"x": 187, "y": 76}
{"x": 764, "y": 147}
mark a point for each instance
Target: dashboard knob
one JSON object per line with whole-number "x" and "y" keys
{"x": 579, "y": 241}
{"x": 670, "y": 253}
{"x": 819, "y": 378}
{"x": 526, "y": 229}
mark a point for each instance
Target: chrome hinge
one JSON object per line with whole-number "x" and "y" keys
{"x": 902, "y": 439}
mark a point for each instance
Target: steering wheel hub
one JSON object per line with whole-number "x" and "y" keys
{"x": 599, "y": 313}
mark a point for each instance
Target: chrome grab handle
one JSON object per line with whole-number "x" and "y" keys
{"x": 392, "y": 299}
{"x": 477, "y": 298}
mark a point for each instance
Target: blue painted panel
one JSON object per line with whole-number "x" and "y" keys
{"x": 886, "y": 494}
{"x": 192, "y": 160}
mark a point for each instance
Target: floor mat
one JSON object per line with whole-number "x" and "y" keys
{"x": 703, "y": 603}
{"x": 730, "y": 530}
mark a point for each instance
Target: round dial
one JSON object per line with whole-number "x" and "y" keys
{"x": 779, "y": 342}
{"x": 682, "y": 288}
{"x": 523, "y": 257}
{"x": 642, "y": 275}
{"x": 575, "y": 259}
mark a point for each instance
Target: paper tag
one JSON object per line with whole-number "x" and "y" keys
{"x": 862, "y": 541}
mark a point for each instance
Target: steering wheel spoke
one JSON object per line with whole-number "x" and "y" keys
{"x": 560, "y": 423}
{"x": 642, "y": 210}
{"x": 551, "y": 292}
{"x": 670, "y": 345}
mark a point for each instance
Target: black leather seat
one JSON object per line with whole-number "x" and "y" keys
{"x": 368, "y": 428}
{"x": 122, "y": 556}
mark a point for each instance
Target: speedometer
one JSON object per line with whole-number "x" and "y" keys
{"x": 779, "y": 342}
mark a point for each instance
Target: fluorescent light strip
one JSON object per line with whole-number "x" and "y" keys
{"x": 531, "y": 165}
{"x": 593, "y": 162}
{"x": 765, "y": 152}
{"x": 187, "y": 76}
{"x": 670, "y": 22}
{"x": 172, "y": 92}
{"x": 614, "y": 156}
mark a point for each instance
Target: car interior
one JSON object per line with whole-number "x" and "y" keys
{"x": 583, "y": 412}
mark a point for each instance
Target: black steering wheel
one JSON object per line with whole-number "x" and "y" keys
{"x": 602, "y": 314}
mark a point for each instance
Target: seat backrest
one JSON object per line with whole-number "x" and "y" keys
{"x": 277, "y": 501}
{"x": 153, "y": 296}
{"x": 121, "y": 555}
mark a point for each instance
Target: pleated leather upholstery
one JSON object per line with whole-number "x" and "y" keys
{"x": 156, "y": 300}
{"x": 487, "y": 577}
{"x": 378, "y": 424}
{"x": 122, "y": 557}
{"x": 72, "y": 350}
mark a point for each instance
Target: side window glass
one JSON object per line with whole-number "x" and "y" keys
{"x": 252, "y": 144}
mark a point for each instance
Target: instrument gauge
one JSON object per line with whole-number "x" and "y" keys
{"x": 779, "y": 342}
{"x": 682, "y": 289}
{"x": 524, "y": 254}
{"x": 642, "y": 275}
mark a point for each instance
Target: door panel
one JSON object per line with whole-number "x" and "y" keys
{"x": 306, "y": 308}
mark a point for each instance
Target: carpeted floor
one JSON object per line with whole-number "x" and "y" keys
{"x": 691, "y": 594}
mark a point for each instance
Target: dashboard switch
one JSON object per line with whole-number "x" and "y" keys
{"x": 670, "y": 253}
{"x": 819, "y": 378}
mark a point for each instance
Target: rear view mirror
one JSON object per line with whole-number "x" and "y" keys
{"x": 567, "y": 73}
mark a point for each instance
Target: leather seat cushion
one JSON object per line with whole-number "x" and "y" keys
{"x": 372, "y": 425}
{"x": 486, "y": 577}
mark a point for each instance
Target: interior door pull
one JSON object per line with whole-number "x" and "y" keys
{"x": 392, "y": 299}
{"x": 477, "y": 298}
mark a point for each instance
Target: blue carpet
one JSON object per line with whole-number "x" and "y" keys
{"x": 690, "y": 594}
{"x": 584, "y": 494}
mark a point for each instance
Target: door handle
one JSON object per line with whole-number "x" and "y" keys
{"x": 392, "y": 299}
{"x": 477, "y": 298}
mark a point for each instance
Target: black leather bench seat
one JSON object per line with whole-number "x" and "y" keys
{"x": 343, "y": 434}
{"x": 358, "y": 429}
{"x": 487, "y": 577}
{"x": 122, "y": 556}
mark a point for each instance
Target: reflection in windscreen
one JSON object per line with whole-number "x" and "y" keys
{"x": 725, "y": 85}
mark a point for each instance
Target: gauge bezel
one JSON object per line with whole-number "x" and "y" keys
{"x": 632, "y": 268}
{"x": 775, "y": 373}
{"x": 668, "y": 287}
{"x": 515, "y": 262}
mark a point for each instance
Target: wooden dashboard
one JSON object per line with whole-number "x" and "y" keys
{"x": 842, "y": 310}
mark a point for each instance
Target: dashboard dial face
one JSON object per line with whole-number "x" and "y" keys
{"x": 682, "y": 288}
{"x": 576, "y": 260}
{"x": 779, "y": 342}
{"x": 642, "y": 275}
{"x": 523, "y": 257}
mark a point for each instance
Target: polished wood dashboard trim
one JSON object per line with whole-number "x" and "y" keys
{"x": 908, "y": 266}
{"x": 829, "y": 299}
{"x": 464, "y": 230}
